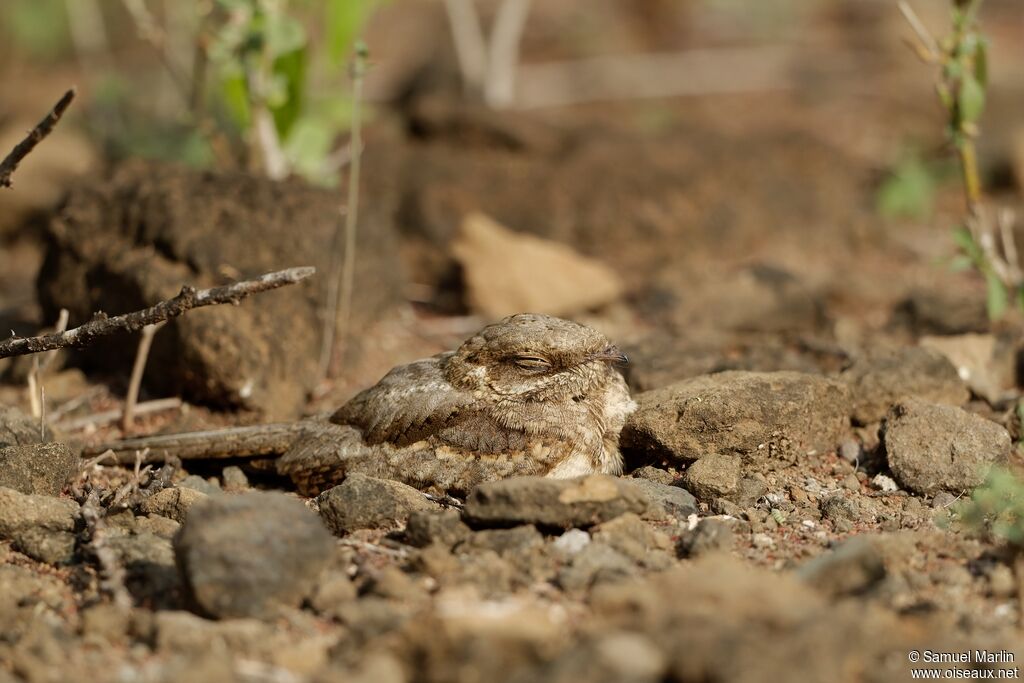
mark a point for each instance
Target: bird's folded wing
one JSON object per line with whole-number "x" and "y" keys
{"x": 411, "y": 403}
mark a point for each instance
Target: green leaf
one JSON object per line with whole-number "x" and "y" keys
{"x": 997, "y": 298}
{"x": 981, "y": 62}
{"x": 344, "y": 20}
{"x": 971, "y": 99}
{"x": 965, "y": 240}
{"x": 290, "y": 75}
{"x": 960, "y": 263}
{"x": 908, "y": 192}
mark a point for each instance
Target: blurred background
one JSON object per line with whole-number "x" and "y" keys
{"x": 716, "y": 183}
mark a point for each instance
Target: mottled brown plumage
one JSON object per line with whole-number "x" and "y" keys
{"x": 531, "y": 394}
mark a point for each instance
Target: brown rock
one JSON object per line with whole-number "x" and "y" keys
{"x": 508, "y": 272}
{"x": 773, "y": 415}
{"x": 40, "y": 468}
{"x": 932, "y": 447}
{"x": 563, "y": 503}
{"x": 882, "y": 377}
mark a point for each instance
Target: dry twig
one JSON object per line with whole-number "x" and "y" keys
{"x": 112, "y": 574}
{"x": 35, "y": 136}
{"x": 109, "y": 416}
{"x": 188, "y": 299}
{"x": 135, "y": 381}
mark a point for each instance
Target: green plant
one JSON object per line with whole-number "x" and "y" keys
{"x": 996, "y": 509}
{"x": 961, "y": 61}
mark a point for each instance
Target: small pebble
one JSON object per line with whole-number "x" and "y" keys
{"x": 851, "y": 482}
{"x": 943, "y": 500}
{"x": 571, "y": 543}
{"x": 234, "y": 479}
{"x": 762, "y": 541}
{"x": 849, "y": 450}
{"x": 884, "y": 483}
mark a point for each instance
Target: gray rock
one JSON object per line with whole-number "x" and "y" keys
{"x": 882, "y": 377}
{"x": 18, "y": 429}
{"x": 150, "y": 572}
{"x": 42, "y": 527}
{"x": 636, "y": 539}
{"x": 852, "y": 568}
{"x": 676, "y": 501}
{"x": 562, "y": 503}
{"x": 37, "y": 468}
{"x": 197, "y": 483}
{"x": 234, "y": 479}
{"x": 838, "y": 508}
{"x": 251, "y": 554}
{"x": 715, "y": 475}
{"x": 596, "y": 563}
{"x": 710, "y": 535}
{"x": 435, "y": 526}
{"x": 931, "y": 448}
{"x": 778, "y": 415}
{"x": 362, "y": 502}
{"x": 173, "y": 503}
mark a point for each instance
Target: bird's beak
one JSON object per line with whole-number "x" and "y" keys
{"x": 611, "y": 354}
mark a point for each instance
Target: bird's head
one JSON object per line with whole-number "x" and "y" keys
{"x": 530, "y": 357}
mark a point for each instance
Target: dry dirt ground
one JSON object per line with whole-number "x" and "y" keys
{"x": 817, "y": 393}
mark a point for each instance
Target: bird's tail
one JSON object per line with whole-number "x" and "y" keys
{"x": 235, "y": 442}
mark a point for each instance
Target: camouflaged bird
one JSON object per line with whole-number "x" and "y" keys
{"x": 531, "y": 394}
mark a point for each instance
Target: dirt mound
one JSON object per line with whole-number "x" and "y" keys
{"x": 126, "y": 241}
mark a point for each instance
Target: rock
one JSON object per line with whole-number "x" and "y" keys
{"x": 838, "y": 508}
{"x": 937, "y": 311}
{"x": 211, "y": 227}
{"x": 709, "y": 536}
{"x": 150, "y": 572}
{"x": 37, "y": 468}
{"x": 880, "y": 378}
{"x": 173, "y": 503}
{"x": 675, "y": 501}
{"x": 197, "y": 483}
{"x": 18, "y": 429}
{"x": 637, "y": 540}
{"x": 570, "y": 543}
{"x": 714, "y": 475}
{"x": 986, "y": 363}
{"x": 234, "y": 479}
{"x": 596, "y": 563}
{"x": 362, "y": 502}
{"x": 42, "y": 527}
{"x": 252, "y": 554}
{"x": 508, "y": 272}
{"x": 435, "y": 526}
{"x": 934, "y": 447}
{"x": 561, "y": 503}
{"x": 854, "y": 567}
{"x": 884, "y": 483}
{"x": 655, "y": 474}
{"x": 332, "y": 593}
{"x": 767, "y": 415}
{"x": 158, "y": 525}
{"x": 616, "y": 657}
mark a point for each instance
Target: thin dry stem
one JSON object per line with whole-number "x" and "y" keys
{"x": 110, "y": 416}
{"x": 341, "y": 284}
{"x": 468, "y": 39}
{"x": 929, "y": 46}
{"x": 138, "y": 368}
{"x": 35, "y": 136}
{"x": 503, "y": 58}
{"x": 188, "y": 299}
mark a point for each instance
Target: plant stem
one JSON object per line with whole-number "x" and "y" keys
{"x": 972, "y": 181}
{"x": 342, "y": 282}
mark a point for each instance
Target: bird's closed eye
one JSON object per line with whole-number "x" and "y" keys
{"x": 530, "y": 362}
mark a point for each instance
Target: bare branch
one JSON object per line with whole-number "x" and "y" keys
{"x": 499, "y": 90}
{"x": 25, "y": 147}
{"x": 108, "y": 416}
{"x": 188, "y": 299}
{"x": 233, "y": 442}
